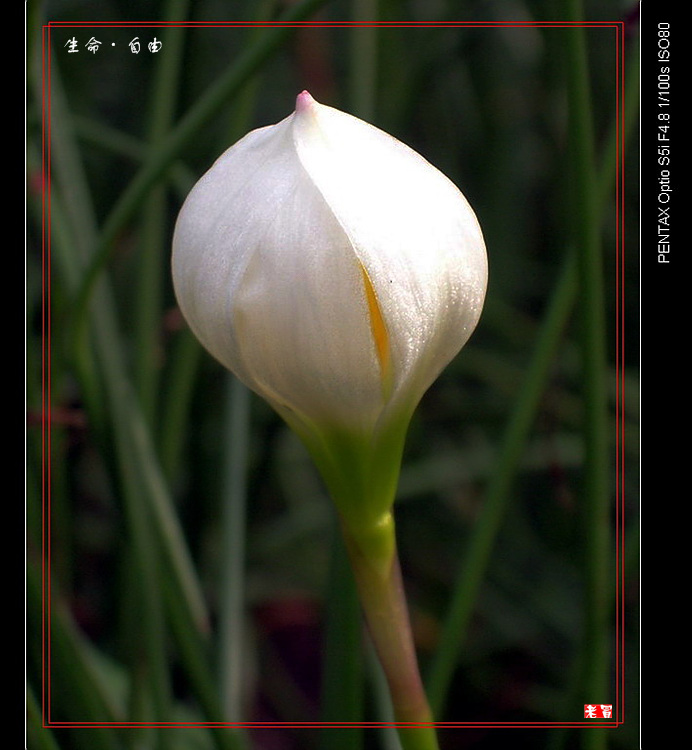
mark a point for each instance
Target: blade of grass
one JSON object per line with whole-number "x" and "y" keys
{"x": 153, "y": 231}
{"x": 195, "y": 655}
{"x": 185, "y": 356}
{"x": 114, "y": 141}
{"x": 68, "y": 670}
{"x": 39, "y": 737}
{"x": 233, "y": 524}
{"x": 342, "y": 673}
{"x": 596, "y": 494}
{"x": 152, "y": 694}
{"x": 185, "y": 349}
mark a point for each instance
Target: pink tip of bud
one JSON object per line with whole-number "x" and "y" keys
{"x": 304, "y": 101}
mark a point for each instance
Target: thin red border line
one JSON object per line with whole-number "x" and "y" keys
{"x": 618, "y": 484}
{"x": 614, "y": 572}
{"x": 46, "y": 397}
{"x": 44, "y": 230}
{"x": 337, "y": 24}
{"x": 46, "y": 357}
{"x": 301, "y": 25}
{"x": 618, "y": 300}
{"x": 317, "y": 725}
{"x": 619, "y": 378}
{"x": 619, "y": 396}
{"x": 597, "y": 724}
{"x": 621, "y": 283}
{"x": 621, "y": 209}
{"x": 48, "y": 281}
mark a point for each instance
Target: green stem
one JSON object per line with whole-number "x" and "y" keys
{"x": 378, "y": 579}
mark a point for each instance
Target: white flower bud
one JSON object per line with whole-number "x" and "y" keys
{"x": 331, "y": 268}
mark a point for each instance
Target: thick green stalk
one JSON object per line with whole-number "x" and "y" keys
{"x": 375, "y": 566}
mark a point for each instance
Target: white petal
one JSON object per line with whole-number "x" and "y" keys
{"x": 412, "y": 229}
{"x": 269, "y": 282}
{"x": 214, "y": 237}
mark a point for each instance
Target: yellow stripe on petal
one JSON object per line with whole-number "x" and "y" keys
{"x": 379, "y": 334}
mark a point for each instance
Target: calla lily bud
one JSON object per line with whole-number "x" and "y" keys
{"x": 335, "y": 272}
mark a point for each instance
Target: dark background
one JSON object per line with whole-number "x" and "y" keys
{"x": 487, "y": 106}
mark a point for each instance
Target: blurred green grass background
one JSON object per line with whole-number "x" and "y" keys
{"x": 188, "y": 543}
